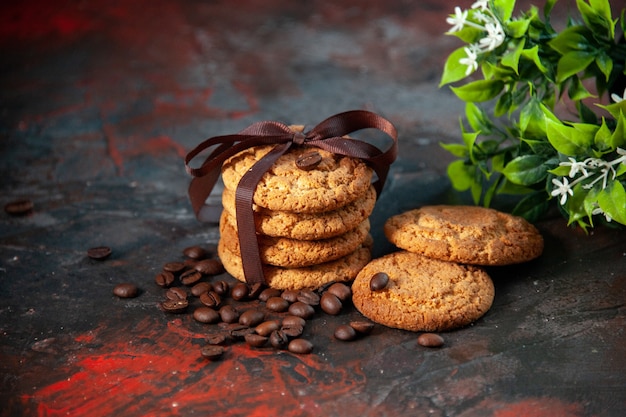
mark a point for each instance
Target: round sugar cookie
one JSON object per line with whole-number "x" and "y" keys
{"x": 293, "y": 253}
{"x": 335, "y": 182}
{"x": 423, "y": 294}
{"x": 466, "y": 234}
{"x": 310, "y": 277}
{"x": 307, "y": 226}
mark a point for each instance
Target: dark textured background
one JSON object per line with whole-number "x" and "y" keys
{"x": 100, "y": 101}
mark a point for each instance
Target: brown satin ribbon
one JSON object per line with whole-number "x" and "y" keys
{"x": 328, "y": 135}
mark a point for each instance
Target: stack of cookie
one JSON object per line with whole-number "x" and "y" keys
{"x": 312, "y": 220}
{"x": 435, "y": 281}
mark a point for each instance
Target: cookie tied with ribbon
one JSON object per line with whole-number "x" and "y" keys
{"x": 329, "y": 135}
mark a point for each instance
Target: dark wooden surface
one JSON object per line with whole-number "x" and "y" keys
{"x": 100, "y": 101}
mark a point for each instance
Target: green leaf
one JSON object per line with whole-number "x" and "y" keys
{"x": 573, "y": 38}
{"x": 618, "y": 138}
{"x": 532, "y": 206}
{"x": 597, "y": 16}
{"x": 511, "y": 58}
{"x": 453, "y": 70}
{"x": 572, "y": 63}
{"x": 568, "y": 140}
{"x": 504, "y": 104}
{"x": 602, "y": 139}
{"x": 461, "y": 175}
{"x": 612, "y": 200}
{"x": 532, "y": 119}
{"x": 469, "y": 138}
{"x": 479, "y": 91}
{"x": 585, "y": 114}
{"x": 590, "y": 203}
{"x": 503, "y": 9}
{"x": 547, "y": 8}
{"x": 575, "y": 206}
{"x": 525, "y": 170}
{"x": 469, "y": 34}
{"x": 477, "y": 118}
{"x": 532, "y": 54}
{"x": 605, "y": 63}
{"x": 455, "y": 149}
{"x": 517, "y": 28}
{"x": 615, "y": 108}
{"x": 577, "y": 90}
{"x": 508, "y": 187}
{"x": 560, "y": 171}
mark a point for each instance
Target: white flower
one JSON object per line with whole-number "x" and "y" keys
{"x": 575, "y": 167}
{"x": 562, "y": 189}
{"x": 458, "y": 20}
{"x": 471, "y": 60}
{"x": 616, "y": 98}
{"x": 494, "y": 38}
{"x": 481, "y": 4}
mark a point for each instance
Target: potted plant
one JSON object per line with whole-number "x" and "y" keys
{"x": 545, "y": 110}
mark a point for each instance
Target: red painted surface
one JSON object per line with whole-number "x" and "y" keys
{"x": 156, "y": 373}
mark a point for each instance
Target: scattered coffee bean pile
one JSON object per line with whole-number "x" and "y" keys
{"x": 252, "y": 314}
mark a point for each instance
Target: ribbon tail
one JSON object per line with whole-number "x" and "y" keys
{"x": 199, "y": 190}
{"x": 248, "y": 242}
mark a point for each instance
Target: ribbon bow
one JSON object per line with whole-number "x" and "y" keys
{"x": 328, "y": 135}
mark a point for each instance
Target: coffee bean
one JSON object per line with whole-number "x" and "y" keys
{"x": 212, "y": 352}
{"x": 345, "y": 333}
{"x": 309, "y": 297}
{"x": 293, "y": 330}
{"x": 99, "y": 253}
{"x": 430, "y": 340}
{"x": 301, "y": 309}
{"x": 256, "y": 340}
{"x": 300, "y": 346}
{"x": 206, "y": 315}
{"x": 164, "y": 279}
{"x": 195, "y": 252}
{"x": 251, "y": 318}
{"x": 190, "y": 277}
{"x": 174, "y": 267}
{"x": 19, "y": 207}
{"x": 278, "y": 339}
{"x": 176, "y": 293}
{"x": 268, "y": 293}
{"x": 221, "y": 287}
{"x": 211, "y": 299}
{"x": 240, "y": 291}
{"x": 277, "y": 304}
{"x": 209, "y": 267}
{"x": 290, "y": 295}
{"x": 229, "y": 314}
{"x": 309, "y": 160}
{"x": 293, "y": 321}
{"x": 126, "y": 290}
{"x": 379, "y": 281}
{"x": 361, "y": 326}
{"x": 175, "y": 306}
{"x": 239, "y": 333}
{"x": 255, "y": 290}
{"x": 201, "y": 288}
{"x": 340, "y": 290}
{"x": 267, "y": 327}
{"x": 330, "y": 304}
{"x": 216, "y": 339}
{"x": 190, "y": 263}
